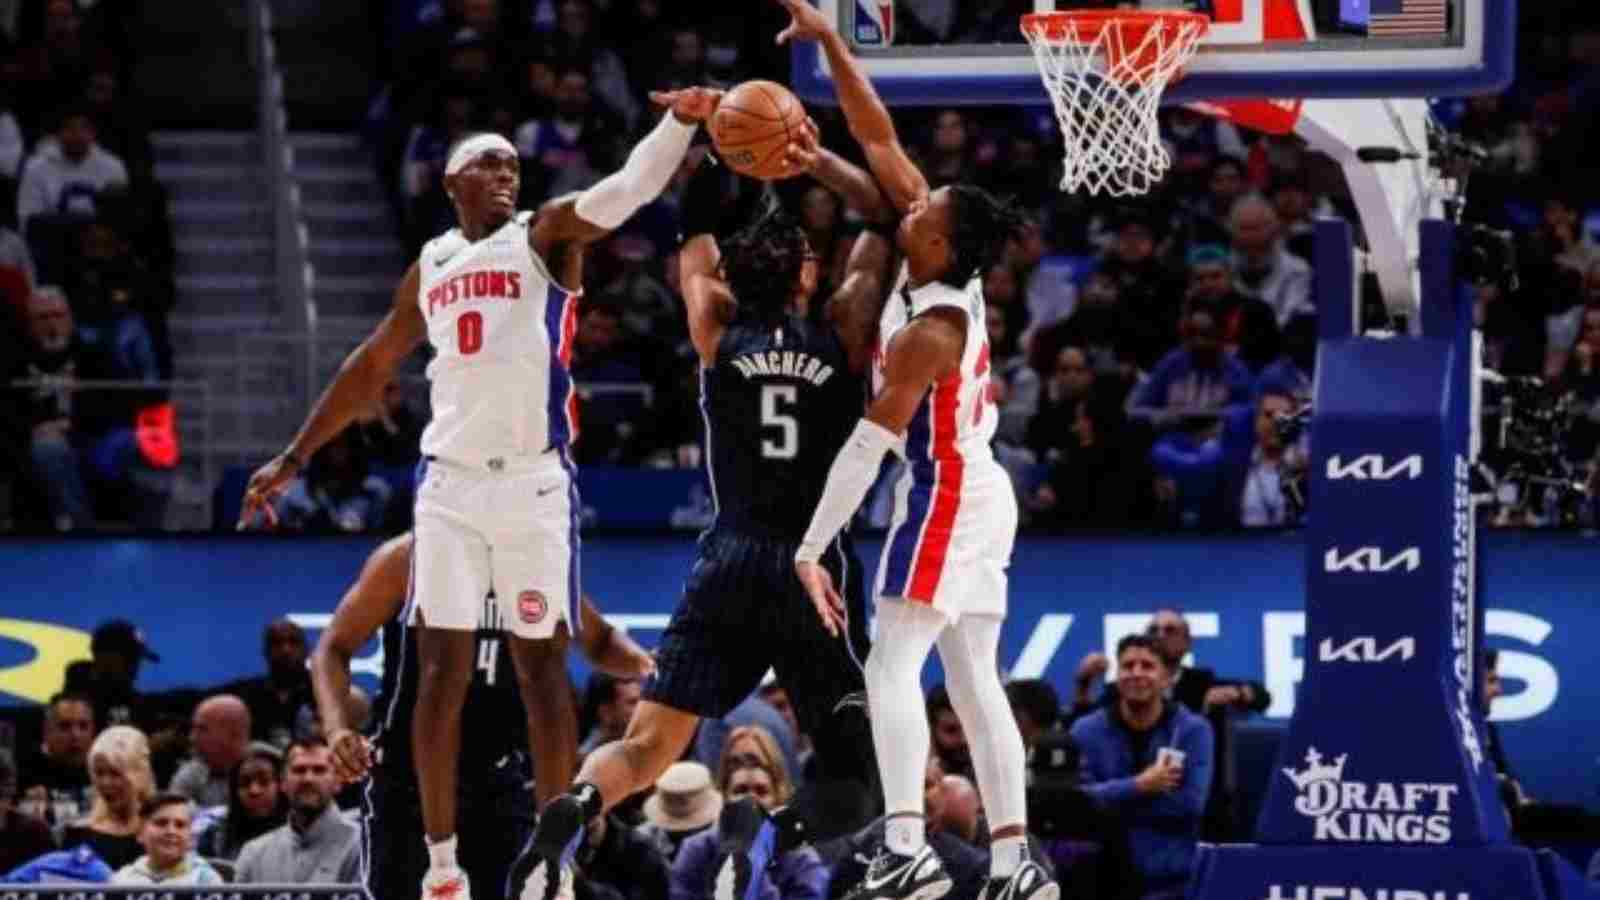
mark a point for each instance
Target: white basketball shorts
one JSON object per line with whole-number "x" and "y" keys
{"x": 507, "y": 525}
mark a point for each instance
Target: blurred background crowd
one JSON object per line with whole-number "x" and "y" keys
{"x": 1143, "y": 351}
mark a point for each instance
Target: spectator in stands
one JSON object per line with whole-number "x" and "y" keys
{"x": 1249, "y": 326}
{"x": 1067, "y": 381}
{"x": 1098, "y": 325}
{"x": 1015, "y": 384}
{"x": 712, "y": 737}
{"x": 568, "y": 149}
{"x": 967, "y": 866}
{"x": 574, "y": 39}
{"x": 1197, "y": 141}
{"x": 337, "y": 493}
{"x": 82, "y": 438}
{"x": 949, "y": 737}
{"x": 1036, "y": 707}
{"x": 1207, "y": 213}
{"x": 948, "y": 157}
{"x": 119, "y": 763}
{"x": 218, "y": 734}
{"x": 118, "y": 127}
{"x": 392, "y": 430}
{"x": 684, "y": 804}
{"x": 1193, "y": 384}
{"x": 1262, "y": 267}
{"x": 608, "y": 704}
{"x": 114, "y": 299}
{"x": 22, "y": 837}
{"x": 1238, "y": 474}
{"x": 257, "y": 803}
{"x": 1130, "y": 767}
{"x": 61, "y": 769}
{"x": 1099, "y": 480}
{"x": 602, "y": 355}
{"x": 1150, "y": 294}
{"x": 168, "y": 841}
{"x": 117, "y": 652}
{"x": 317, "y": 845}
{"x": 751, "y": 767}
{"x": 63, "y": 176}
{"x": 962, "y": 814}
{"x": 277, "y": 699}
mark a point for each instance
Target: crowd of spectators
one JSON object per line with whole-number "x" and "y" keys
{"x": 234, "y": 783}
{"x": 86, "y": 275}
{"x": 1141, "y": 351}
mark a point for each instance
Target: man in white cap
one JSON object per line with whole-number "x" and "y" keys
{"x": 497, "y": 505}
{"x": 684, "y": 803}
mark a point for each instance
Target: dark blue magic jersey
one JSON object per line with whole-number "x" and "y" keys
{"x": 493, "y": 724}
{"x": 779, "y": 403}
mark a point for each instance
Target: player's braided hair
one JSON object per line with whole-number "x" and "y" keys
{"x": 762, "y": 264}
{"x": 981, "y": 225}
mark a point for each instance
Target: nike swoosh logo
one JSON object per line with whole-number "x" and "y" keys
{"x": 443, "y": 259}
{"x": 549, "y": 490}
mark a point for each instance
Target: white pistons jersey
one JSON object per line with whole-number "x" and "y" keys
{"x": 502, "y": 332}
{"x": 958, "y": 417}
{"x": 955, "y": 512}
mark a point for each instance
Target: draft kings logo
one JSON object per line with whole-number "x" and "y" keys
{"x": 1344, "y": 810}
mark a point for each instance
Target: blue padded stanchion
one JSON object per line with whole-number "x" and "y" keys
{"x": 1383, "y": 788}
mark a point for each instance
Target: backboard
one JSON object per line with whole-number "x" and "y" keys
{"x": 1256, "y": 48}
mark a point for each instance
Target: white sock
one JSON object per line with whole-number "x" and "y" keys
{"x": 906, "y": 633}
{"x": 1006, "y": 856}
{"x": 904, "y": 834}
{"x": 442, "y": 854}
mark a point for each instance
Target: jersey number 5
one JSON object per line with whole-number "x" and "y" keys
{"x": 469, "y": 333}
{"x": 788, "y": 442}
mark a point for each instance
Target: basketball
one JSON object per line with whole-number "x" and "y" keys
{"x": 753, "y": 124}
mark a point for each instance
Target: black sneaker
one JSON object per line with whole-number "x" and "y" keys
{"x": 1029, "y": 882}
{"x": 544, "y": 868}
{"x": 892, "y": 876}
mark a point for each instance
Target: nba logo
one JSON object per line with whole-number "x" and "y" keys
{"x": 874, "y": 23}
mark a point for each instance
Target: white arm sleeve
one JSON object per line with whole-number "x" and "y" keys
{"x": 650, "y": 166}
{"x": 854, "y": 470}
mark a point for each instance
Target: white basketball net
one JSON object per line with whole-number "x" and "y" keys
{"x": 1105, "y": 73}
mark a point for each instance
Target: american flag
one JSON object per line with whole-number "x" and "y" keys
{"x": 1407, "y": 18}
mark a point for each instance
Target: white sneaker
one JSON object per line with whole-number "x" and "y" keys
{"x": 445, "y": 884}
{"x": 537, "y": 887}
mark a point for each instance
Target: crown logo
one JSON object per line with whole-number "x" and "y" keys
{"x": 1317, "y": 771}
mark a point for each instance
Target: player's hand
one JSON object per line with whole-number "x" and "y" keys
{"x": 352, "y": 755}
{"x": 819, "y": 586}
{"x": 805, "y": 151}
{"x": 622, "y": 657}
{"x": 806, "y": 22}
{"x": 267, "y": 484}
{"x": 690, "y": 105}
{"x": 1163, "y": 777}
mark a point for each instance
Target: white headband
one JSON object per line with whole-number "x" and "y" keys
{"x": 475, "y": 146}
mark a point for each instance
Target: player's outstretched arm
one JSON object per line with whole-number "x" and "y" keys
{"x": 591, "y": 214}
{"x": 609, "y": 648}
{"x": 856, "y": 305}
{"x": 374, "y": 599}
{"x": 708, "y": 304}
{"x": 863, "y": 109}
{"x": 919, "y": 355}
{"x": 360, "y": 382}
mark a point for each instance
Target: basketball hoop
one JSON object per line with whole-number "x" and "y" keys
{"x": 1105, "y": 71}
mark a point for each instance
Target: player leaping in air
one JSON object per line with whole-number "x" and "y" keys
{"x": 780, "y": 393}
{"x": 942, "y": 578}
{"x": 497, "y": 504}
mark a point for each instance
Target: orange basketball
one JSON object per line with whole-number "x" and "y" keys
{"x": 753, "y": 125}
